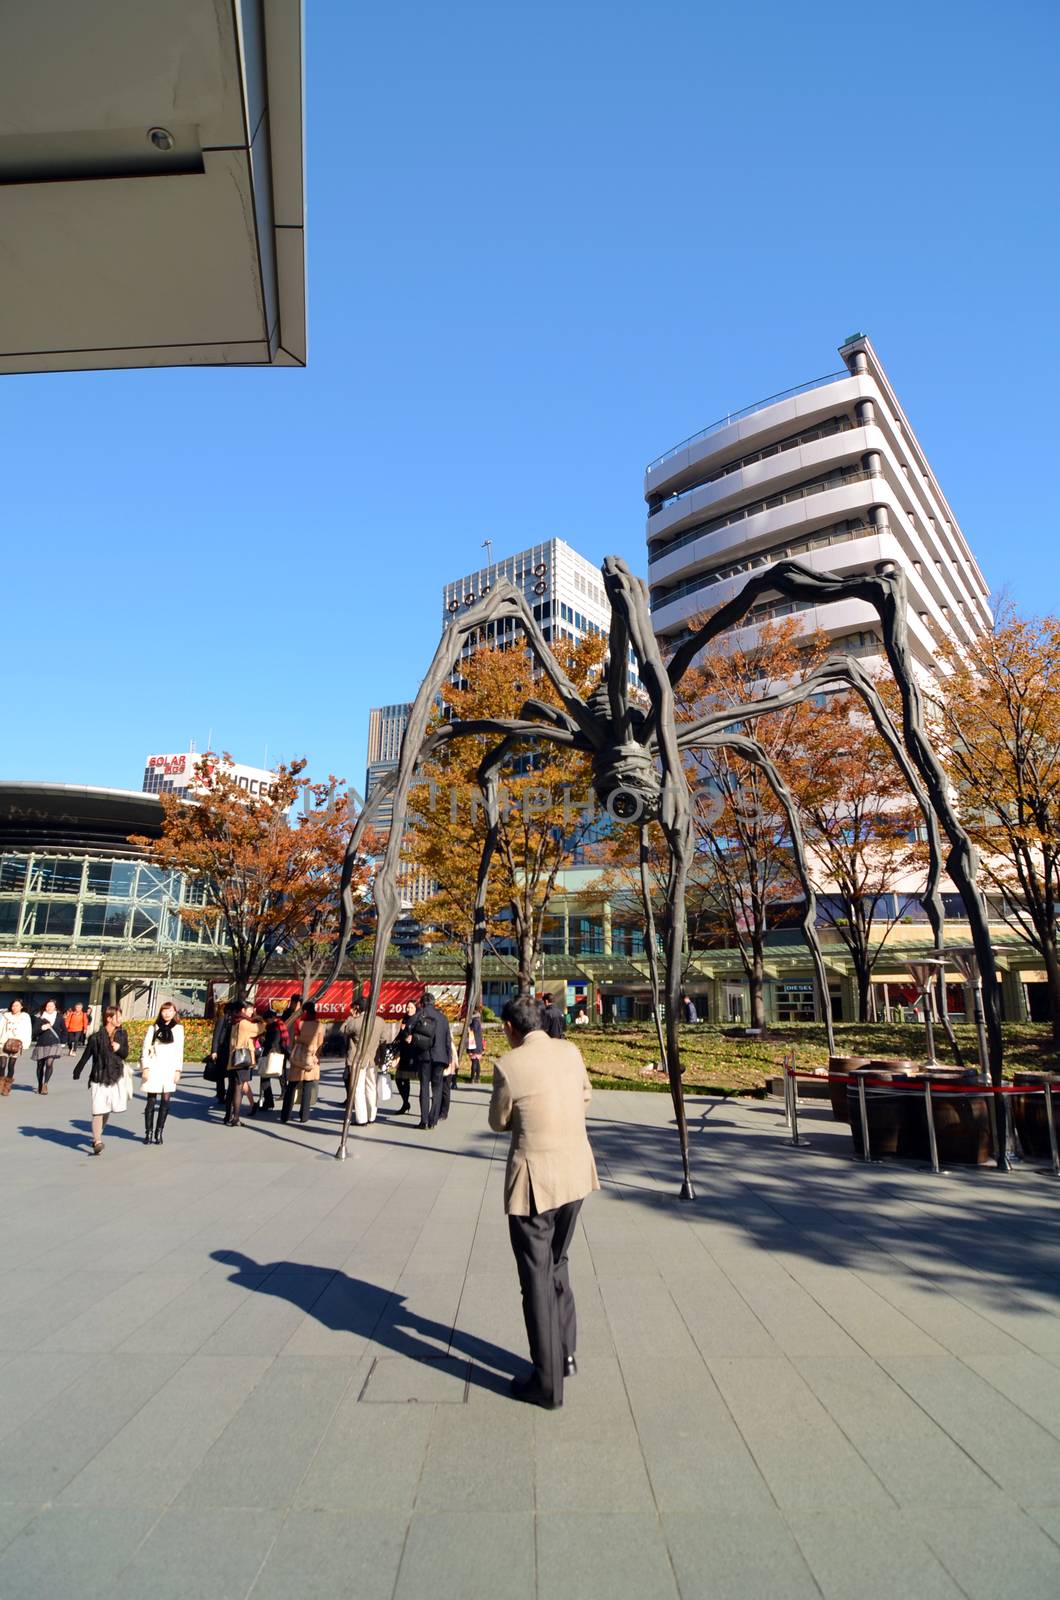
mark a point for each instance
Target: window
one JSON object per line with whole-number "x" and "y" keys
{"x": 56, "y": 875}
{"x": 53, "y": 919}
{"x": 111, "y": 878}
{"x": 104, "y": 922}
{"x": 9, "y": 910}
{"x": 13, "y": 874}
{"x": 145, "y": 925}
{"x": 154, "y": 884}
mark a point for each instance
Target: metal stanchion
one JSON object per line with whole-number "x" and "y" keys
{"x": 932, "y": 1141}
{"x": 1051, "y": 1125}
{"x": 863, "y": 1108}
{"x": 787, "y": 1092}
{"x": 991, "y": 1111}
{"x": 794, "y": 1107}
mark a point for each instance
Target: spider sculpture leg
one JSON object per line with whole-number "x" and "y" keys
{"x": 885, "y": 592}
{"x": 629, "y": 606}
{"x": 752, "y": 752}
{"x": 651, "y": 944}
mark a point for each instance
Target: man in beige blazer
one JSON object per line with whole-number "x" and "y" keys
{"x": 540, "y": 1092}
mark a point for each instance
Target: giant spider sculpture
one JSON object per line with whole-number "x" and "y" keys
{"x": 638, "y": 776}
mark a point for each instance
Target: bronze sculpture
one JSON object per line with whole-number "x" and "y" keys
{"x": 638, "y": 775}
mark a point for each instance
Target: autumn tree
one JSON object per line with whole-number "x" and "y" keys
{"x": 324, "y": 828}
{"x": 743, "y": 873}
{"x": 860, "y": 823}
{"x": 266, "y": 880}
{"x": 996, "y": 708}
{"x": 544, "y": 812}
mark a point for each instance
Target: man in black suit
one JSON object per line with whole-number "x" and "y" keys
{"x": 553, "y": 1021}
{"x": 432, "y": 1045}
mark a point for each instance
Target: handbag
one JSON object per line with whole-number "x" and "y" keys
{"x": 272, "y": 1064}
{"x": 12, "y": 1046}
{"x": 383, "y": 1087}
{"x": 240, "y": 1059}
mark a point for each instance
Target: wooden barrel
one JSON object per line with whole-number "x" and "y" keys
{"x": 837, "y": 1092}
{"x": 1028, "y": 1114}
{"x": 885, "y": 1112}
{"x": 962, "y": 1122}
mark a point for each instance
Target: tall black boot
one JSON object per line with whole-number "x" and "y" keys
{"x": 163, "y": 1113}
{"x": 149, "y": 1118}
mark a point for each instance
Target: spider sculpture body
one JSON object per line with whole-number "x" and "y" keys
{"x": 636, "y": 757}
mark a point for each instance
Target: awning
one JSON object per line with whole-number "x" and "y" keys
{"x": 337, "y": 1001}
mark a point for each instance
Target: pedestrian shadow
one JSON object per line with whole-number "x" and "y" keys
{"x": 75, "y": 1140}
{"x": 352, "y": 1305}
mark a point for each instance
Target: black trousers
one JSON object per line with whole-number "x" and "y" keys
{"x": 540, "y": 1244}
{"x": 45, "y": 1069}
{"x": 307, "y": 1099}
{"x": 405, "y": 1091}
{"x": 447, "y": 1091}
{"x": 431, "y": 1092}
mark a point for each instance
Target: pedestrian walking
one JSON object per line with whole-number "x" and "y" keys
{"x": 216, "y": 1069}
{"x": 553, "y": 1022}
{"x": 303, "y": 1074}
{"x": 689, "y": 1014}
{"x": 581, "y": 1018}
{"x": 106, "y": 1053}
{"x": 406, "y": 1068}
{"x": 246, "y": 1030}
{"x": 380, "y": 1034}
{"x": 432, "y": 1050}
{"x": 49, "y": 1037}
{"x": 16, "y": 1036}
{"x": 161, "y": 1063}
{"x": 275, "y": 1048}
{"x": 540, "y": 1092}
{"x": 75, "y": 1021}
{"x": 475, "y": 1047}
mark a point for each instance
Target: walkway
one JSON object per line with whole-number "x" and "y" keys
{"x": 234, "y": 1367}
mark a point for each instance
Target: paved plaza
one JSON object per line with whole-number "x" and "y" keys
{"x": 235, "y": 1367}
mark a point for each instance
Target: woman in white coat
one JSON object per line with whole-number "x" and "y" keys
{"x": 16, "y": 1036}
{"x": 161, "y": 1063}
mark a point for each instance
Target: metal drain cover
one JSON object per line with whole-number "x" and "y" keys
{"x": 398, "y": 1380}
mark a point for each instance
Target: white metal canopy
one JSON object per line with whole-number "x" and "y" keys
{"x": 152, "y": 198}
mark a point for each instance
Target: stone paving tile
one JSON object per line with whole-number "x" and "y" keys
{"x": 603, "y": 1557}
{"x": 1028, "y": 1381}
{"x": 737, "y": 1557}
{"x": 856, "y": 1554}
{"x": 152, "y": 1458}
{"x": 73, "y": 1550}
{"x": 363, "y": 1448}
{"x": 40, "y": 1457}
{"x": 117, "y": 1315}
{"x": 916, "y": 1460}
{"x": 485, "y": 1553}
{"x": 197, "y": 1554}
{"x": 478, "y": 1460}
{"x": 31, "y": 1380}
{"x": 993, "y": 1555}
{"x": 13, "y": 1518}
{"x": 261, "y": 1456}
{"x": 805, "y": 1458}
{"x": 1016, "y": 1452}
{"x": 322, "y": 1555}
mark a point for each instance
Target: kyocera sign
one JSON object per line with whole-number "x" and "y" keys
{"x": 179, "y": 770}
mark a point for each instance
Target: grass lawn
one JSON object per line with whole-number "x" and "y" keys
{"x": 615, "y": 1056}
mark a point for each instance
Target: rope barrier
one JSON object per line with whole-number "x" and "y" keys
{"x": 909, "y": 1084}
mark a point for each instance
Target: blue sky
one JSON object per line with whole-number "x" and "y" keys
{"x": 546, "y": 242}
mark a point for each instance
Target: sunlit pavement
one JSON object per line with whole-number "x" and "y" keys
{"x": 233, "y": 1366}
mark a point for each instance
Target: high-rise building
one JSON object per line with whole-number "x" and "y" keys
{"x": 830, "y": 473}
{"x": 386, "y": 729}
{"x": 562, "y": 588}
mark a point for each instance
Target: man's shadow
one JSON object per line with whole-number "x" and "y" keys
{"x": 352, "y": 1305}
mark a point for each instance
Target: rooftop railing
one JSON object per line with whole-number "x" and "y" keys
{"x": 748, "y": 411}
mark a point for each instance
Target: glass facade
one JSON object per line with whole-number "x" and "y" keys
{"x": 85, "y": 901}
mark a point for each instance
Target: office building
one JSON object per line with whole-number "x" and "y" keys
{"x": 175, "y": 774}
{"x": 830, "y": 473}
{"x": 386, "y": 729}
{"x": 563, "y": 589}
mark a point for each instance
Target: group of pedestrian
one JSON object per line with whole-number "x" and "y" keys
{"x": 44, "y": 1037}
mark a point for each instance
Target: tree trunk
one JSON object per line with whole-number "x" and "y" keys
{"x": 863, "y": 981}
{"x": 756, "y": 978}
{"x": 1052, "y": 974}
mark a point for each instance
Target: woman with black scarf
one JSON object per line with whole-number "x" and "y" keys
{"x": 161, "y": 1063}
{"x": 108, "y": 1085}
